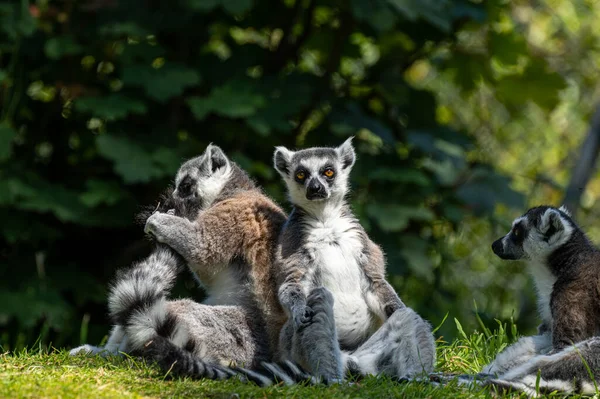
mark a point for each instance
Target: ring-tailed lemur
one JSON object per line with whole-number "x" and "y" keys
{"x": 323, "y": 245}
{"x": 226, "y": 230}
{"x": 565, "y": 267}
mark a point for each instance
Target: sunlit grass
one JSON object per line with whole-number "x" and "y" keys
{"x": 42, "y": 373}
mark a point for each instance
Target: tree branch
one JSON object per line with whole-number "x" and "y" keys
{"x": 585, "y": 165}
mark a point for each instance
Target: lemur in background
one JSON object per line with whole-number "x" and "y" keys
{"x": 323, "y": 251}
{"x": 225, "y": 229}
{"x": 565, "y": 267}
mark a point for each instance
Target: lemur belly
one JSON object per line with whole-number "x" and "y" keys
{"x": 338, "y": 270}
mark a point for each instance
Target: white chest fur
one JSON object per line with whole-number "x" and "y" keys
{"x": 336, "y": 251}
{"x": 544, "y": 282}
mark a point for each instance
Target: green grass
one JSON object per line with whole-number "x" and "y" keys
{"x": 54, "y": 374}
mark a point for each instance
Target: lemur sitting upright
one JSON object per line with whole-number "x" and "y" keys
{"x": 323, "y": 249}
{"x": 565, "y": 267}
{"x": 226, "y": 230}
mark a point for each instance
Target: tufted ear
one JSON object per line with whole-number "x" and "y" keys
{"x": 565, "y": 210}
{"x": 551, "y": 223}
{"x": 216, "y": 158}
{"x": 346, "y": 153}
{"x": 281, "y": 160}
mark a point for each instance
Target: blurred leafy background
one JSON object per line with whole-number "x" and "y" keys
{"x": 465, "y": 112}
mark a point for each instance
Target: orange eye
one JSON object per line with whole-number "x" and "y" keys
{"x": 329, "y": 172}
{"x": 300, "y": 175}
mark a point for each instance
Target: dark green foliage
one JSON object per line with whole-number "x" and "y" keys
{"x": 102, "y": 100}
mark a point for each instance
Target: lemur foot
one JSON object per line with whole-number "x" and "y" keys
{"x": 303, "y": 317}
{"x": 320, "y": 299}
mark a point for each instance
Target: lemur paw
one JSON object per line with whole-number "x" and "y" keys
{"x": 154, "y": 225}
{"x": 302, "y": 317}
{"x": 171, "y": 212}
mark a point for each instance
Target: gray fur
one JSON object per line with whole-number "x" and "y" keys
{"x": 315, "y": 344}
{"x": 565, "y": 266}
{"x": 519, "y": 353}
{"x": 323, "y": 244}
{"x": 183, "y": 336}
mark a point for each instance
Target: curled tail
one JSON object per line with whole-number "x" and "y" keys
{"x": 146, "y": 283}
{"x": 137, "y": 298}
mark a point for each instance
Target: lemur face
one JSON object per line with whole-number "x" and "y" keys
{"x": 202, "y": 178}
{"x": 536, "y": 234}
{"x": 315, "y": 174}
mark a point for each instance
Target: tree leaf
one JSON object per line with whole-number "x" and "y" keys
{"x": 7, "y": 135}
{"x": 400, "y": 175}
{"x": 133, "y": 163}
{"x": 537, "y": 83}
{"x": 57, "y": 47}
{"x": 118, "y": 29}
{"x": 234, "y": 99}
{"x": 436, "y": 12}
{"x": 101, "y": 192}
{"x": 231, "y": 6}
{"x": 376, "y": 13}
{"x": 506, "y": 47}
{"x": 351, "y": 118}
{"x": 393, "y": 217}
{"x": 112, "y": 107}
{"x": 161, "y": 83}
{"x": 414, "y": 251}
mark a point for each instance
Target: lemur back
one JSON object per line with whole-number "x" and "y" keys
{"x": 230, "y": 246}
{"x": 220, "y": 224}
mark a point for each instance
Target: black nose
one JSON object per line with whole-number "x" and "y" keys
{"x": 498, "y": 247}
{"x": 315, "y": 190}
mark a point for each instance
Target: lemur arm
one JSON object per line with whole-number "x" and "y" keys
{"x": 382, "y": 299}
{"x": 570, "y": 313}
{"x": 294, "y": 288}
{"x": 236, "y": 227}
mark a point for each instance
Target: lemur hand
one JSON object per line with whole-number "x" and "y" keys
{"x": 302, "y": 316}
{"x": 154, "y": 225}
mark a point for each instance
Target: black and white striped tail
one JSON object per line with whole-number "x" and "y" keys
{"x": 139, "y": 288}
{"x": 180, "y": 362}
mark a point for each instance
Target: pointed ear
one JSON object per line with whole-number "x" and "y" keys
{"x": 346, "y": 153}
{"x": 565, "y": 210}
{"x": 551, "y": 223}
{"x": 216, "y": 158}
{"x": 282, "y": 159}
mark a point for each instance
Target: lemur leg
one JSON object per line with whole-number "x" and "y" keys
{"x": 314, "y": 345}
{"x": 402, "y": 347}
{"x": 519, "y": 353}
